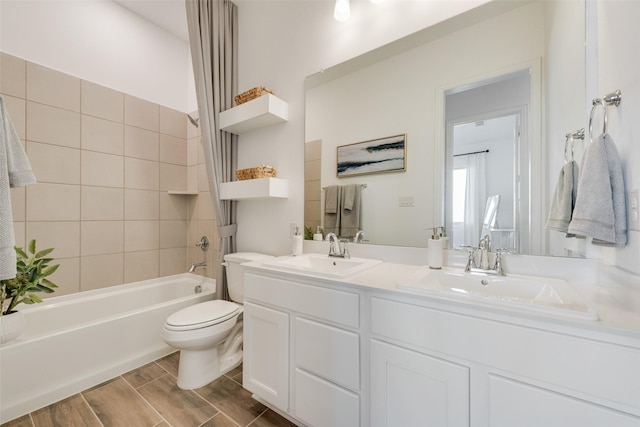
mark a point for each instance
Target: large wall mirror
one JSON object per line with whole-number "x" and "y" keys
{"x": 505, "y": 80}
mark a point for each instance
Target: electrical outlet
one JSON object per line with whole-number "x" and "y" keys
{"x": 406, "y": 202}
{"x": 634, "y": 211}
{"x": 292, "y": 228}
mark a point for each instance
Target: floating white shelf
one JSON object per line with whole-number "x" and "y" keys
{"x": 260, "y": 188}
{"x": 260, "y": 112}
{"x": 183, "y": 192}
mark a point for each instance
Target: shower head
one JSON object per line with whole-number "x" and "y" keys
{"x": 193, "y": 121}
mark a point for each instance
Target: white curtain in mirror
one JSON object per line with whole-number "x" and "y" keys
{"x": 475, "y": 197}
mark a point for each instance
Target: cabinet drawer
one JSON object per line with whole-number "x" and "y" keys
{"x": 329, "y": 352}
{"x": 320, "y": 403}
{"x": 333, "y": 305}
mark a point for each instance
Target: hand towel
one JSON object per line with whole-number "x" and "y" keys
{"x": 564, "y": 198}
{"x": 350, "y": 220}
{"x": 15, "y": 171}
{"x": 332, "y": 207}
{"x": 600, "y": 210}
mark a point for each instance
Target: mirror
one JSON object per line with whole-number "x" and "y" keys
{"x": 401, "y": 88}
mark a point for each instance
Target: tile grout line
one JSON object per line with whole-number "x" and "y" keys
{"x": 256, "y": 418}
{"x": 135, "y": 390}
{"x": 90, "y": 407}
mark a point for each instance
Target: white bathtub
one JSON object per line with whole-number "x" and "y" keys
{"x": 74, "y": 342}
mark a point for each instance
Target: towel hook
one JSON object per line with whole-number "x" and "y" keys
{"x": 613, "y": 98}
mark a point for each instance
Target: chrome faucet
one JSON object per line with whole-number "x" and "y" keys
{"x": 484, "y": 266}
{"x": 334, "y": 247}
{"x": 197, "y": 265}
{"x": 358, "y": 237}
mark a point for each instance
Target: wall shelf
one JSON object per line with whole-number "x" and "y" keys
{"x": 260, "y": 188}
{"x": 260, "y": 112}
{"x": 183, "y": 192}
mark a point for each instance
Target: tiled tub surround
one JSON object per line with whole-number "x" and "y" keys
{"x": 148, "y": 396}
{"x": 104, "y": 161}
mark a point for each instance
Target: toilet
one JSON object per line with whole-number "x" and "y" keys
{"x": 209, "y": 334}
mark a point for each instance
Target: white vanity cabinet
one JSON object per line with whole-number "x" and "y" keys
{"x": 431, "y": 366}
{"x": 302, "y": 349}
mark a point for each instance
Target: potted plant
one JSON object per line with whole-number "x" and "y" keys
{"x": 33, "y": 268}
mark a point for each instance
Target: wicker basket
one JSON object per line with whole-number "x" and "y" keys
{"x": 250, "y": 94}
{"x": 263, "y": 171}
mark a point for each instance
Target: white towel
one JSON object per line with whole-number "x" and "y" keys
{"x": 564, "y": 198}
{"x": 15, "y": 171}
{"x": 600, "y": 210}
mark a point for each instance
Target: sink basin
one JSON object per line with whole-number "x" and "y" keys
{"x": 323, "y": 265}
{"x": 540, "y": 294}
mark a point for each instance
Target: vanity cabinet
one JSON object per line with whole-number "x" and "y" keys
{"x": 309, "y": 338}
{"x": 434, "y": 365}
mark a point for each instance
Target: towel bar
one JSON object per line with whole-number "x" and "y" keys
{"x": 614, "y": 98}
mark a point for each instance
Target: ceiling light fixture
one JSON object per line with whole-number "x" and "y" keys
{"x": 342, "y": 11}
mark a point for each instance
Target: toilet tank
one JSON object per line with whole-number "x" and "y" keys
{"x": 235, "y": 272}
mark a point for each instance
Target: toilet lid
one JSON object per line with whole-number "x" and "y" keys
{"x": 202, "y": 315}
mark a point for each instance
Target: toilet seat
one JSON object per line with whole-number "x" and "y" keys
{"x": 202, "y": 315}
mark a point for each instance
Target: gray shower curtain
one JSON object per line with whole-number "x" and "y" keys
{"x": 213, "y": 37}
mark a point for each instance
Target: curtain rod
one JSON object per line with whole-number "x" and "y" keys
{"x": 468, "y": 154}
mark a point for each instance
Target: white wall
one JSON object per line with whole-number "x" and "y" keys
{"x": 619, "y": 68}
{"x": 101, "y": 42}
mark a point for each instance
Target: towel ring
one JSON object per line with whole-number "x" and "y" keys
{"x": 566, "y": 145}
{"x": 613, "y": 98}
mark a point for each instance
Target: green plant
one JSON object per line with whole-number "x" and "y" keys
{"x": 32, "y": 269}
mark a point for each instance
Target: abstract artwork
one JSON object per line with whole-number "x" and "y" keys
{"x": 375, "y": 156}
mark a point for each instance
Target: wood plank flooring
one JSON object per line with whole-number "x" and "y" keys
{"x": 149, "y": 397}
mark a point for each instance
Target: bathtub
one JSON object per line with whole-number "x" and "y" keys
{"x": 73, "y": 342}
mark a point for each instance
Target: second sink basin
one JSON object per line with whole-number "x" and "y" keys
{"x": 323, "y": 265}
{"x": 540, "y": 294}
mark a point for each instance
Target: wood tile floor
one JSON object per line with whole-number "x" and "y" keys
{"x": 148, "y": 397}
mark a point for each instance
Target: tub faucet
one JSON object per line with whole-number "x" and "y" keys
{"x": 334, "y": 247}
{"x": 197, "y": 265}
{"x": 358, "y": 237}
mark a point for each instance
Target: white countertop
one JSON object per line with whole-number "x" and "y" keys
{"x": 617, "y": 305}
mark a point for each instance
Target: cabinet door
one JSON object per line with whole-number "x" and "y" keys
{"x": 265, "y": 369}
{"x": 413, "y": 389}
{"x": 514, "y": 403}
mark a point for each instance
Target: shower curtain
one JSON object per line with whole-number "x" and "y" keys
{"x": 213, "y": 38}
{"x": 475, "y": 198}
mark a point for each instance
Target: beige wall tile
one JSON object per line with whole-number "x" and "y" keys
{"x": 141, "y": 113}
{"x": 141, "y": 236}
{"x": 64, "y": 236}
{"x": 141, "y": 143}
{"x": 17, "y": 109}
{"x": 141, "y": 204}
{"x": 203, "y": 180}
{"x": 141, "y": 266}
{"x": 312, "y": 170}
{"x": 313, "y": 150}
{"x": 174, "y": 207}
{"x": 192, "y": 151}
{"x": 173, "y": 234}
{"x": 102, "y": 203}
{"x": 141, "y": 174}
{"x": 192, "y": 178}
{"x": 173, "y": 177}
{"x": 101, "y": 237}
{"x": 173, "y": 150}
{"x": 20, "y": 233}
{"x": 51, "y": 87}
{"x": 173, "y": 261}
{"x": 205, "y": 207}
{"x": 173, "y": 122}
{"x": 99, "y": 169}
{"x": 67, "y": 277}
{"x": 54, "y": 163}
{"x": 18, "y": 203}
{"x": 12, "y": 75}
{"x": 53, "y": 125}
{"x": 53, "y": 202}
{"x": 100, "y": 101}
{"x": 101, "y": 271}
{"x": 102, "y": 135}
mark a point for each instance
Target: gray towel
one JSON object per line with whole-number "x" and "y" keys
{"x": 600, "y": 210}
{"x": 564, "y": 198}
{"x": 15, "y": 171}
{"x": 332, "y": 208}
{"x": 350, "y": 221}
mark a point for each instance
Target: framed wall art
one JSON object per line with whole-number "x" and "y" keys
{"x": 375, "y": 156}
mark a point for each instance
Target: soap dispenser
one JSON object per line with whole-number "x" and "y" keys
{"x": 296, "y": 243}
{"x": 434, "y": 250}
